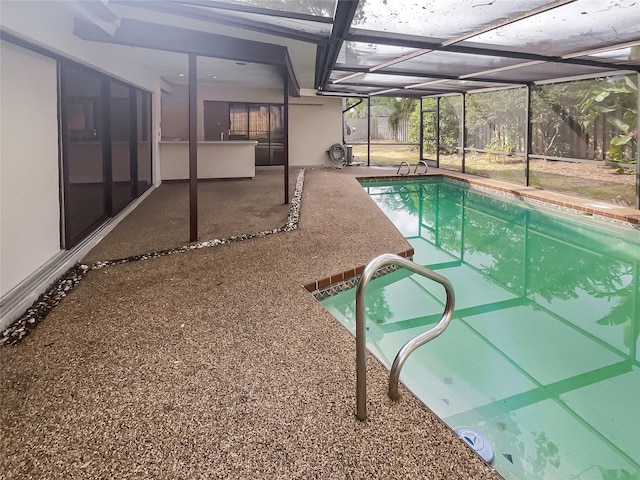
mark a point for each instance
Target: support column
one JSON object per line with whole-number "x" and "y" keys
{"x": 286, "y": 139}
{"x": 438, "y": 132}
{"x": 368, "y": 131}
{"x": 638, "y": 149}
{"x": 421, "y": 136}
{"x": 464, "y": 131}
{"x": 527, "y": 135}
{"x": 193, "y": 147}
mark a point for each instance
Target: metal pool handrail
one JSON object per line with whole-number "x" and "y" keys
{"x": 406, "y": 350}
{"x": 421, "y": 163}
{"x": 404, "y": 164}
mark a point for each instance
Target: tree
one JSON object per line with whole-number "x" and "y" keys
{"x": 617, "y": 102}
{"x": 557, "y": 118}
{"x": 402, "y": 109}
{"x": 359, "y": 109}
{"x": 496, "y": 120}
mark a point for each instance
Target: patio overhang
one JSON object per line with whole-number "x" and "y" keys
{"x": 136, "y": 33}
{"x": 194, "y": 43}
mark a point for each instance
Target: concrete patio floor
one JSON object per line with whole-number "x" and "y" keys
{"x": 216, "y": 362}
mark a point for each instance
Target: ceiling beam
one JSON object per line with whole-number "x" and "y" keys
{"x": 345, "y": 11}
{"x": 207, "y": 15}
{"x": 136, "y": 33}
{"x": 428, "y": 86}
{"x": 330, "y": 91}
{"x": 422, "y": 74}
{"x": 288, "y": 73}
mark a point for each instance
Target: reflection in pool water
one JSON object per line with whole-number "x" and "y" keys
{"x": 542, "y": 353}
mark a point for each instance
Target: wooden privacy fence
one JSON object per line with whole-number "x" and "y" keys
{"x": 380, "y": 130}
{"x": 555, "y": 137}
{"x": 552, "y": 136}
{"x": 256, "y": 122}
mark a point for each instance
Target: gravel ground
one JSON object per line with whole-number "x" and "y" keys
{"x": 215, "y": 362}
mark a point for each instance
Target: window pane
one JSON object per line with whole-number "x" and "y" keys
{"x": 320, "y": 8}
{"x": 82, "y": 127}
{"x": 304, "y": 26}
{"x": 144, "y": 141}
{"x": 570, "y": 28}
{"x": 259, "y": 130}
{"x": 239, "y": 121}
{"x": 358, "y": 54}
{"x": 582, "y": 145}
{"x": 429, "y": 134}
{"x": 121, "y": 186}
{"x": 277, "y": 135}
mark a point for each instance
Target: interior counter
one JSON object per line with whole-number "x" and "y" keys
{"x": 226, "y": 159}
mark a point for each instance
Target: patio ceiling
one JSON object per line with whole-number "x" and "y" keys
{"x": 415, "y": 48}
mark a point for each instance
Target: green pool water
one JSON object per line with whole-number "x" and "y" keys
{"x": 542, "y": 353}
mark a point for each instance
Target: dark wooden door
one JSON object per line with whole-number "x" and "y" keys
{"x": 216, "y": 121}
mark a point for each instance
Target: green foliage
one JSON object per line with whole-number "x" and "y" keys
{"x": 563, "y": 119}
{"x": 605, "y": 99}
{"x": 359, "y": 111}
{"x": 555, "y": 107}
{"x": 450, "y": 123}
{"x": 414, "y": 126}
{"x": 503, "y": 113}
{"x": 509, "y": 143}
{"x": 402, "y": 108}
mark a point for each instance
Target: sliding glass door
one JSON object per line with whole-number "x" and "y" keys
{"x": 276, "y": 135}
{"x": 143, "y": 137}
{"x": 262, "y": 122}
{"x": 122, "y": 186}
{"x": 259, "y": 131}
{"x": 84, "y": 176}
{"x": 106, "y": 149}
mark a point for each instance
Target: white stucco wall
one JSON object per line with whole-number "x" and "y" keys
{"x": 315, "y": 123}
{"x": 29, "y": 191}
{"x": 49, "y": 24}
{"x": 29, "y": 194}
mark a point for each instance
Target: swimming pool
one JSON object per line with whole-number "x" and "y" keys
{"x": 542, "y": 353}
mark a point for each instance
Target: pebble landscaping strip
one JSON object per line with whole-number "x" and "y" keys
{"x": 43, "y": 305}
{"x": 294, "y": 208}
{"x": 18, "y": 330}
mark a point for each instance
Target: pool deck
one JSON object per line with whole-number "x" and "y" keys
{"x": 217, "y": 362}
